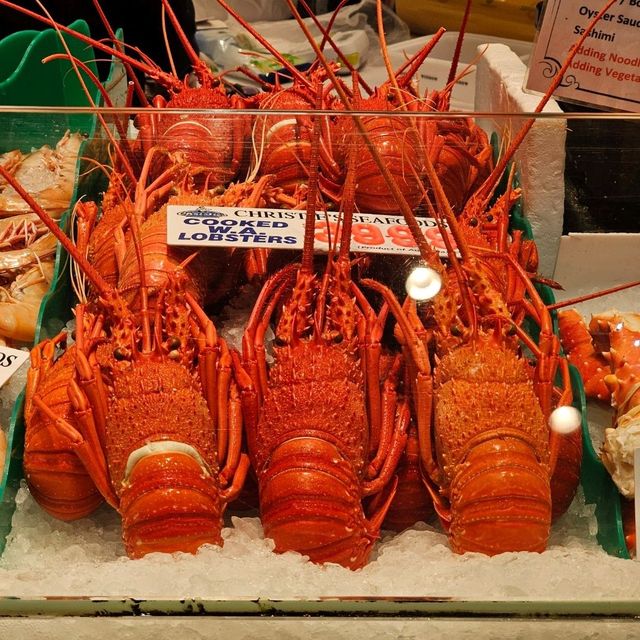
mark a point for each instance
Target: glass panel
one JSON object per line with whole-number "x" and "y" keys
{"x": 197, "y": 154}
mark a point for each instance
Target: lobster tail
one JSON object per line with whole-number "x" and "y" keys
{"x": 59, "y": 483}
{"x": 169, "y": 503}
{"x": 500, "y": 499}
{"x": 412, "y": 503}
{"x": 566, "y": 476}
{"x": 310, "y": 503}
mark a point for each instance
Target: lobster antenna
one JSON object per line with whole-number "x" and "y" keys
{"x": 154, "y": 72}
{"x": 436, "y": 185}
{"x": 264, "y": 42}
{"x": 348, "y": 196}
{"x": 312, "y": 192}
{"x": 188, "y": 47}
{"x": 130, "y": 73}
{"x": 326, "y": 38}
{"x": 485, "y": 190}
{"x": 592, "y": 296}
{"x": 134, "y": 224}
{"x": 87, "y": 93}
{"x": 172, "y": 63}
{"x": 461, "y": 34}
{"x": 426, "y": 252}
{"x": 103, "y": 287}
{"x": 415, "y": 62}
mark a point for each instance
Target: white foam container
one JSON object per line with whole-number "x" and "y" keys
{"x": 434, "y": 71}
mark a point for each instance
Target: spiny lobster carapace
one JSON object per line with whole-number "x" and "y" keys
{"x": 156, "y": 414}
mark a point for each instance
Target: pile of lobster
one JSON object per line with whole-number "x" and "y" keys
{"x": 370, "y": 408}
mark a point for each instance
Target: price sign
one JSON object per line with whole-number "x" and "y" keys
{"x": 280, "y": 229}
{"x": 10, "y": 361}
{"x": 606, "y": 70}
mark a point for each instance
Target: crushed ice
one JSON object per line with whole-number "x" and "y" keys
{"x": 44, "y": 556}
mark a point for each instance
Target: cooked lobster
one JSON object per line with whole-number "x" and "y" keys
{"x": 312, "y": 416}
{"x": 156, "y": 415}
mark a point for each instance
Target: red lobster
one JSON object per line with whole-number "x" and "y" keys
{"x": 151, "y": 429}
{"x": 490, "y": 474}
{"x": 311, "y": 417}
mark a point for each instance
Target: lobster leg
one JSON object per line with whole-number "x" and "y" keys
{"x": 218, "y": 385}
{"x": 388, "y": 408}
{"x": 578, "y": 345}
{"x": 41, "y": 362}
{"x": 92, "y": 460}
{"x": 234, "y": 473}
{"x": 253, "y": 338}
{"x": 393, "y": 454}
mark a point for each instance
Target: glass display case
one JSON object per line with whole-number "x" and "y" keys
{"x": 303, "y": 364}
{"x": 80, "y": 568}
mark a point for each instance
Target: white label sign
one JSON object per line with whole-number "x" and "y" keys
{"x": 10, "y": 361}
{"x": 284, "y": 229}
{"x": 606, "y": 69}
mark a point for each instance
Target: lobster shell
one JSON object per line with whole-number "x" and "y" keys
{"x": 56, "y": 478}
{"x": 495, "y": 473}
{"x": 310, "y": 456}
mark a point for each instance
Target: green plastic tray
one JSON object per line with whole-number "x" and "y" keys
{"x": 599, "y": 489}
{"x": 26, "y": 81}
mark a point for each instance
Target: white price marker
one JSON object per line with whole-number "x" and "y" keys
{"x": 10, "y": 361}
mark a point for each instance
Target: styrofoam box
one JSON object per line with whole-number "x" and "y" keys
{"x": 541, "y": 158}
{"x": 434, "y": 72}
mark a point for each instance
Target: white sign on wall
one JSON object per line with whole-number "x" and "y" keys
{"x": 606, "y": 70}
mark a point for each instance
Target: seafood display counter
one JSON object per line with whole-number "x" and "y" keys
{"x": 94, "y": 562}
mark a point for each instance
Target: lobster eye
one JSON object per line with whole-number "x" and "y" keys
{"x": 119, "y": 353}
{"x": 456, "y": 330}
{"x": 490, "y": 218}
{"x": 338, "y": 338}
{"x": 173, "y": 343}
{"x": 473, "y": 222}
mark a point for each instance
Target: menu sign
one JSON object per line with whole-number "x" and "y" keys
{"x": 606, "y": 70}
{"x": 10, "y": 361}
